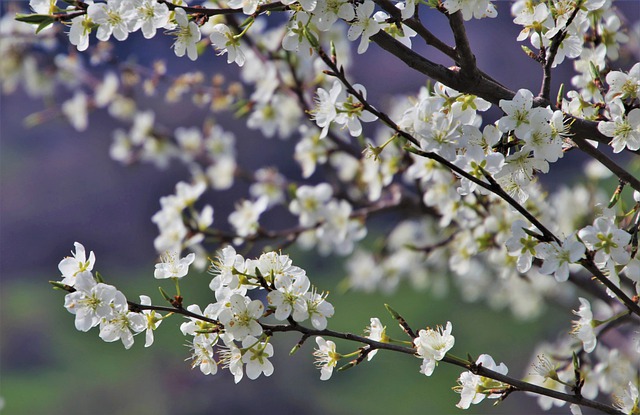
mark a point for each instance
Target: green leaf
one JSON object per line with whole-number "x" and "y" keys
{"x": 43, "y": 26}
{"x": 38, "y": 19}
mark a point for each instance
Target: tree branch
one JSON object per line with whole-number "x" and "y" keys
{"x": 466, "y": 59}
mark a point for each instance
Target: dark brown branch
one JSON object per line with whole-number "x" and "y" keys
{"x": 492, "y": 186}
{"x": 466, "y": 59}
{"x": 616, "y": 169}
{"x": 493, "y": 92}
{"x": 476, "y": 369}
{"x": 556, "y": 41}
{"x": 263, "y": 8}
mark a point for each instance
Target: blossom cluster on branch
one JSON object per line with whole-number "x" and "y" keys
{"x": 468, "y": 207}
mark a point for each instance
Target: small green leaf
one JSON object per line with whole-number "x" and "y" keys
{"x": 43, "y": 26}
{"x": 38, "y": 19}
{"x": 165, "y": 295}
{"x": 560, "y": 95}
{"x": 313, "y": 40}
{"x": 393, "y": 312}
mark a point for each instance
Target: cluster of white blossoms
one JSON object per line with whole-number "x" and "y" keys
{"x": 436, "y": 162}
{"x": 228, "y": 332}
{"x": 95, "y": 303}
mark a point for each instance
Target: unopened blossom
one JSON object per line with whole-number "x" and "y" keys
{"x": 173, "y": 267}
{"x": 187, "y": 35}
{"x": 558, "y": 257}
{"x": 326, "y": 357}
{"x": 240, "y": 318}
{"x": 584, "y": 329}
{"x": 474, "y": 388}
{"x": 256, "y": 357}
{"x": 72, "y": 266}
{"x": 432, "y": 345}
{"x": 224, "y": 40}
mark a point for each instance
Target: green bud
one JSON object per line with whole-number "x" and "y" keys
{"x": 615, "y": 197}
{"x": 595, "y": 71}
{"x": 165, "y": 295}
{"x": 528, "y": 51}
{"x": 59, "y": 286}
{"x": 576, "y": 362}
{"x": 294, "y": 349}
{"x": 560, "y": 95}
{"x": 393, "y": 312}
{"x": 347, "y": 366}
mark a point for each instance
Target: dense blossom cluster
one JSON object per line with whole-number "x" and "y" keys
{"x": 471, "y": 211}
{"x": 228, "y": 332}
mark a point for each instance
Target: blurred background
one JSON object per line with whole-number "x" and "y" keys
{"x": 58, "y": 186}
